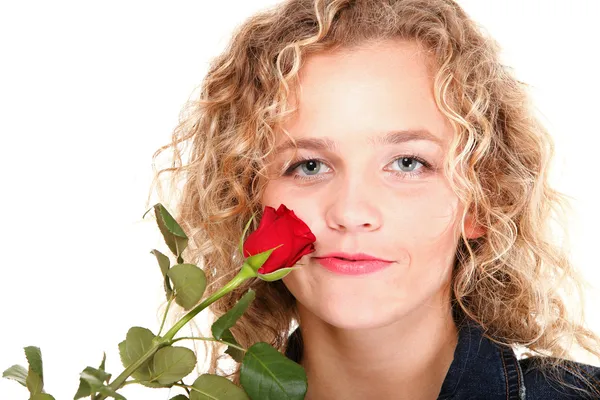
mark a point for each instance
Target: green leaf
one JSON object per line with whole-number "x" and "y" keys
{"x": 42, "y": 396}
{"x": 171, "y": 364}
{"x": 229, "y": 319}
{"x": 242, "y": 238}
{"x": 174, "y": 236}
{"x": 95, "y": 378}
{"x": 34, "y": 358}
{"x": 17, "y": 373}
{"x": 34, "y": 382}
{"x": 256, "y": 261}
{"x": 211, "y": 387}
{"x": 137, "y": 343}
{"x": 179, "y": 397}
{"x": 154, "y": 384}
{"x": 189, "y": 282}
{"x": 123, "y": 354}
{"x": 35, "y": 374}
{"x": 103, "y": 363}
{"x": 84, "y": 390}
{"x": 169, "y": 221}
{"x": 276, "y": 275}
{"x": 99, "y": 376}
{"x": 266, "y": 374}
{"x": 235, "y": 353}
{"x": 164, "y": 263}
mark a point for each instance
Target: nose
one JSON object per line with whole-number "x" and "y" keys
{"x": 354, "y": 206}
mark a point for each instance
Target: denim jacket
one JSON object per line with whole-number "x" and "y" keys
{"x": 483, "y": 369}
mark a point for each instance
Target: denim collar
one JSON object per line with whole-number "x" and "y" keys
{"x": 482, "y": 368}
{"x": 476, "y": 358}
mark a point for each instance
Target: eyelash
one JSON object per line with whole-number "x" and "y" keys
{"x": 403, "y": 175}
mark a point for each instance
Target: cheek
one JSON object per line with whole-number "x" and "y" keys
{"x": 304, "y": 206}
{"x": 273, "y": 195}
{"x": 424, "y": 219}
{"x": 425, "y": 226}
{"x": 299, "y": 284}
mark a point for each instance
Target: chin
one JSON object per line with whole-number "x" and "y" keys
{"x": 344, "y": 313}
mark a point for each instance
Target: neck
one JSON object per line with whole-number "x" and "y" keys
{"x": 408, "y": 359}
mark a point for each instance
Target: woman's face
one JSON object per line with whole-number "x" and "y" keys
{"x": 369, "y": 194}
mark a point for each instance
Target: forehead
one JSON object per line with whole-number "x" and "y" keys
{"x": 359, "y": 93}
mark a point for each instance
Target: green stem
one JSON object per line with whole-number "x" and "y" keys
{"x": 185, "y": 387}
{"x": 188, "y": 388}
{"x": 208, "y": 339}
{"x": 120, "y": 380}
{"x": 245, "y": 273}
{"x": 130, "y": 382}
{"x": 165, "y": 316}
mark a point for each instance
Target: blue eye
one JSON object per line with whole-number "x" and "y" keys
{"x": 310, "y": 168}
{"x": 411, "y": 161}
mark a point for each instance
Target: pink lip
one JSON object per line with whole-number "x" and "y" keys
{"x": 353, "y": 257}
{"x": 358, "y": 267}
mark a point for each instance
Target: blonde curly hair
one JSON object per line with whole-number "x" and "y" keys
{"x": 510, "y": 280}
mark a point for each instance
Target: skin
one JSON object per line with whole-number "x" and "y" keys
{"x": 387, "y": 334}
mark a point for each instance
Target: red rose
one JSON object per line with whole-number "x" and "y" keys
{"x": 281, "y": 227}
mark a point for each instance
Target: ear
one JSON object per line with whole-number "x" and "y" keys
{"x": 472, "y": 229}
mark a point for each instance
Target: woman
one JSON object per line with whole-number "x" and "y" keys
{"x": 392, "y": 129}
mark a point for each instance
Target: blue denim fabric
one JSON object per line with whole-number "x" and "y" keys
{"x": 483, "y": 369}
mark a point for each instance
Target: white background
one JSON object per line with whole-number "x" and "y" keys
{"x": 88, "y": 91}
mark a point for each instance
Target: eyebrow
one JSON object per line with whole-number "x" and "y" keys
{"x": 392, "y": 137}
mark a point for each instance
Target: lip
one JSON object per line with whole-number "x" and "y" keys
{"x": 362, "y": 263}
{"x": 353, "y": 257}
